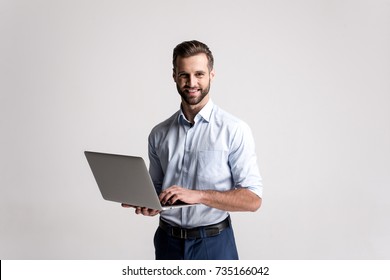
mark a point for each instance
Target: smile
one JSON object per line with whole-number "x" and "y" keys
{"x": 192, "y": 90}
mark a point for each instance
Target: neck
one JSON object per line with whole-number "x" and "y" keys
{"x": 190, "y": 111}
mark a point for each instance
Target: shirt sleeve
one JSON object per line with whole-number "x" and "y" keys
{"x": 243, "y": 161}
{"x": 155, "y": 169}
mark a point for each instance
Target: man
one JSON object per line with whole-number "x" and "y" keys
{"x": 202, "y": 155}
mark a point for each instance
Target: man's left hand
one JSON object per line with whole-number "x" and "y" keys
{"x": 175, "y": 193}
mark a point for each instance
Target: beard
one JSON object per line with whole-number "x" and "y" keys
{"x": 193, "y": 100}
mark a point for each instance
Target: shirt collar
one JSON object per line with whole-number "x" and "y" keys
{"x": 205, "y": 113}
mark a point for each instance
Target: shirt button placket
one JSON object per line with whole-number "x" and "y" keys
{"x": 187, "y": 153}
{"x": 186, "y": 166}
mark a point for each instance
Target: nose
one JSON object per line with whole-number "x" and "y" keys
{"x": 191, "y": 81}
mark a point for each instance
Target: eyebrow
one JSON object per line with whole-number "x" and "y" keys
{"x": 196, "y": 72}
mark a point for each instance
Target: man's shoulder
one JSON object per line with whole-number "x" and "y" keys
{"x": 164, "y": 125}
{"x": 221, "y": 113}
{"x": 226, "y": 118}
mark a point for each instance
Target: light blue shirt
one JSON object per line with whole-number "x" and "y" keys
{"x": 216, "y": 153}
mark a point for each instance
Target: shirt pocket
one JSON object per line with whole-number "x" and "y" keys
{"x": 211, "y": 164}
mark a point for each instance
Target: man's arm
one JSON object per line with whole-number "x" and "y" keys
{"x": 240, "y": 199}
{"x": 142, "y": 210}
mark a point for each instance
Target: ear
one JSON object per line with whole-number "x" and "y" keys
{"x": 174, "y": 74}
{"x": 212, "y": 74}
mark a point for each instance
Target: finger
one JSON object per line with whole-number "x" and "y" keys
{"x": 155, "y": 212}
{"x": 173, "y": 199}
{"x": 169, "y": 191}
{"x": 165, "y": 197}
{"x": 150, "y": 212}
{"x": 127, "y": 205}
{"x": 145, "y": 211}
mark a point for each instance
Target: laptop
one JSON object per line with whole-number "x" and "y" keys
{"x": 126, "y": 179}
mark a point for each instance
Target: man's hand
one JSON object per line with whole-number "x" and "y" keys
{"x": 142, "y": 210}
{"x": 239, "y": 199}
{"x": 175, "y": 193}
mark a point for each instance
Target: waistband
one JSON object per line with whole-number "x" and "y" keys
{"x": 195, "y": 233}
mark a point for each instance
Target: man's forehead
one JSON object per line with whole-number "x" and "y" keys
{"x": 197, "y": 62}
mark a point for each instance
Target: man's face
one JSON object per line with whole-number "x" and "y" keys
{"x": 193, "y": 77}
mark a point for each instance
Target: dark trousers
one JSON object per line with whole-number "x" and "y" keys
{"x": 219, "y": 247}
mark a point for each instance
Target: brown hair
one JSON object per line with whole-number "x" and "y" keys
{"x": 190, "y": 48}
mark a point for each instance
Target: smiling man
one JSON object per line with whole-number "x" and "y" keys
{"x": 200, "y": 155}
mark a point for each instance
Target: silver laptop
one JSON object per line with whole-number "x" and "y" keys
{"x": 125, "y": 179}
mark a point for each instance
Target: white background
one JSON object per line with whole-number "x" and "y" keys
{"x": 311, "y": 78}
{"x": 152, "y": 269}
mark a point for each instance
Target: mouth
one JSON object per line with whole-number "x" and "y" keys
{"x": 192, "y": 91}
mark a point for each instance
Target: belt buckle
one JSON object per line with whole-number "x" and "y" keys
{"x": 183, "y": 233}
{"x": 179, "y": 232}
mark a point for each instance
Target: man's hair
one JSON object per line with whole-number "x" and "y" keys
{"x": 191, "y": 48}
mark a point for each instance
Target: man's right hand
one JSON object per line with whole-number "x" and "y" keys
{"x": 142, "y": 210}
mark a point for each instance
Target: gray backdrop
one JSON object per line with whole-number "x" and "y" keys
{"x": 310, "y": 77}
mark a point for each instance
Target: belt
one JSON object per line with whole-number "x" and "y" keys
{"x": 194, "y": 233}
